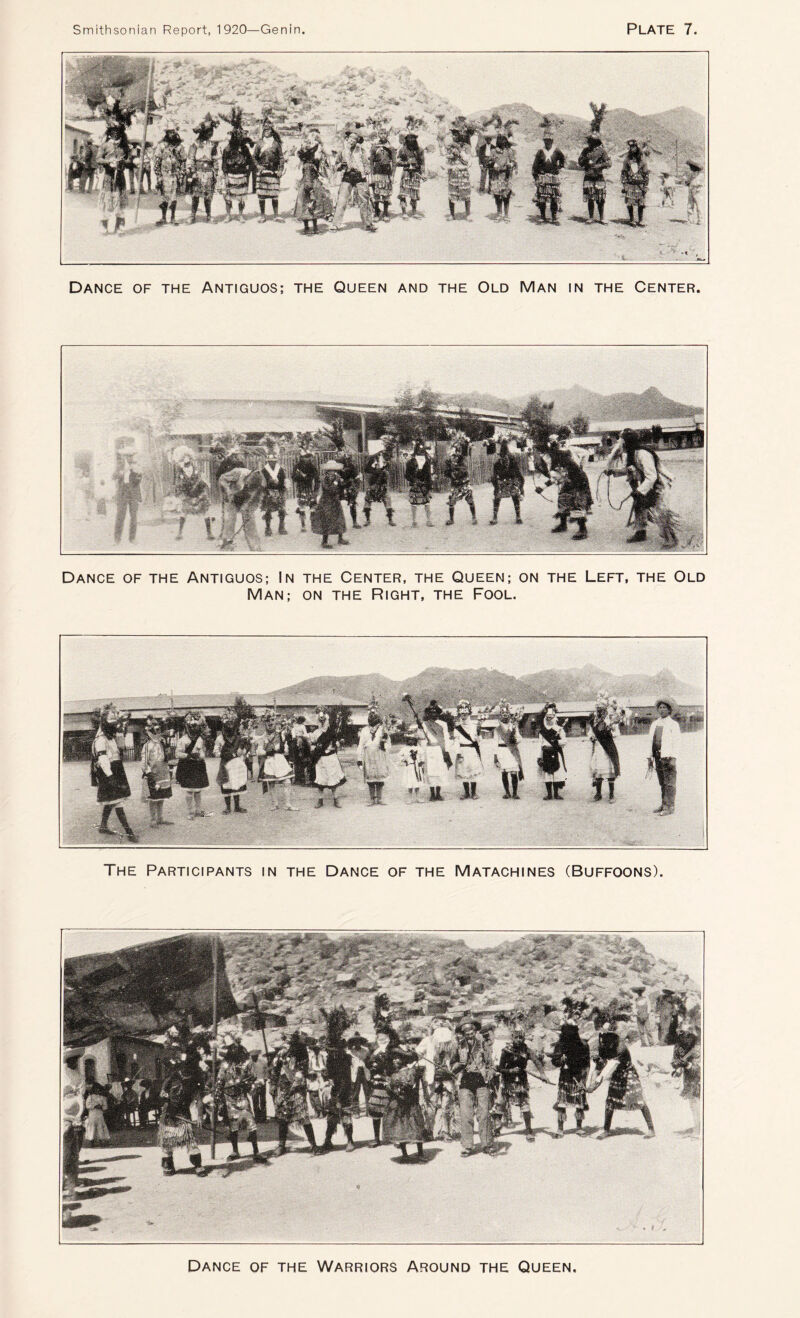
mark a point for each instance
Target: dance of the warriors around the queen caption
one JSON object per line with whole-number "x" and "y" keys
{"x": 454, "y": 1080}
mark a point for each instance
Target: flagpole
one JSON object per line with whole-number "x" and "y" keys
{"x": 140, "y": 171}
{"x": 215, "y": 959}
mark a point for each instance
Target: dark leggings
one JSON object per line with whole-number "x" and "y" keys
{"x": 121, "y": 816}
{"x": 510, "y": 782}
{"x": 645, "y": 1111}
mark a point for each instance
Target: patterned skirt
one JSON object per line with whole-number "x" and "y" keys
{"x": 377, "y": 490}
{"x": 239, "y": 1115}
{"x": 458, "y": 184}
{"x": 168, "y": 188}
{"x": 576, "y": 497}
{"x": 306, "y": 497}
{"x": 460, "y": 489}
{"x": 291, "y": 1105}
{"x": 192, "y": 504}
{"x": 176, "y": 1132}
{"x": 410, "y": 184}
{"x": 548, "y": 188}
{"x": 691, "y": 1083}
{"x": 313, "y": 203}
{"x": 112, "y": 199}
{"x": 500, "y": 185}
{"x": 404, "y": 1123}
{"x": 625, "y": 1089}
{"x": 516, "y": 1093}
{"x": 571, "y": 1093}
{"x": 418, "y": 493}
{"x": 274, "y": 501}
{"x": 204, "y": 182}
{"x": 509, "y": 487}
{"x": 236, "y": 186}
{"x": 634, "y": 191}
{"x": 378, "y": 1098}
{"x": 268, "y": 184}
{"x": 381, "y": 186}
{"x": 594, "y": 189}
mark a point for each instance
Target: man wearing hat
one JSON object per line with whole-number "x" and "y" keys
{"x": 546, "y": 169}
{"x": 473, "y": 1068}
{"x": 354, "y": 188}
{"x": 695, "y": 182}
{"x": 240, "y": 489}
{"x": 376, "y": 471}
{"x": 73, "y": 1111}
{"x": 235, "y": 1079}
{"x": 594, "y": 160}
{"x": 127, "y": 478}
{"x": 664, "y": 745}
{"x": 202, "y": 166}
{"x": 305, "y": 478}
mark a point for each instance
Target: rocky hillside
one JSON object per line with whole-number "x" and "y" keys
{"x": 295, "y": 975}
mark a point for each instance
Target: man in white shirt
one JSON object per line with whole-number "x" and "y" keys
{"x": 664, "y": 737}
{"x": 354, "y": 187}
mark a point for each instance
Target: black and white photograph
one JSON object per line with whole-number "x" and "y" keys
{"x": 396, "y": 157}
{"x": 384, "y": 449}
{"x": 381, "y": 1087}
{"x": 293, "y": 741}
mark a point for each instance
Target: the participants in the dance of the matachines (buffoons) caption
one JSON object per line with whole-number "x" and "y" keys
{"x": 422, "y": 758}
{"x": 227, "y": 489}
{"x": 375, "y": 166}
{"x": 448, "y": 1078}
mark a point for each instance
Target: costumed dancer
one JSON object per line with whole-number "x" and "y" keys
{"x": 241, "y": 490}
{"x": 237, "y": 166}
{"x": 625, "y": 1093}
{"x": 232, "y": 773}
{"x": 192, "y": 489}
{"x": 419, "y": 474}
{"x": 665, "y": 738}
{"x": 113, "y": 158}
{"x": 604, "y": 721}
{"x": 327, "y": 518}
{"x": 180, "y": 1093}
{"x": 191, "y": 773}
{"x": 635, "y": 178}
{"x": 483, "y": 147}
{"x": 156, "y": 775}
{"x": 382, "y": 164}
{"x": 695, "y": 184}
{"x": 354, "y": 187}
{"x": 507, "y": 754}
{"x": 473, "y": 1068}
{"x": 289, "y": 1087}
{"x": 459, "y": 187}
{"x": 514, "y": 1087}
{"x": 649, "y": 481}
{"x": 235, "y": 1079}
{"x": 466, "y": 741}
{"x": 202, "y": 167}
{"x": 687, "y": 1063}
{"x": 456, "y": 469}
{"x": 270, "y": 164}
{"x": 380, "y": 1068}
{"x": 314, "y": 202}
{"x": 338, "y": 1070}
{"x": 411, "y": 759}
{"x": 573, "y": 1057}
{"x": 411, "y": 163}
{"x": 328, "y": 771}
{"x": 507, "y": 483}
{"x": 349, "y": 476}
{"x": 276, "y": 772}
{"x": 73, "y": 1113}
{"x": 376, "y": 473}
{"x": 594, "y": 160}
{"x": 437, "y": 729}
{"x": 502, "y": 168}
{"x": 372, "y": 757}
{"x": 575, "y": 500}
{"x": 404, "y": 1121}
{"x": 273, "y": 499}
{"x": 305, "y": 478}
{"x": 552, "y": 762}
{"x": 443, "y": 1096}
{"x": 169, "y": 167}
{"x": 108, "y": 773}
{"x": 546, "y": 169}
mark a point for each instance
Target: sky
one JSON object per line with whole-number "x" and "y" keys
{"x": 365, "y": 373}
{"x": 119, "y": 667}
{"x": 684, "y": 950}
{"x": 563, "y": 82}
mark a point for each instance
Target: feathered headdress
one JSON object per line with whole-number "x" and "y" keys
{"x": 598, "y": 111}
{"x": 336, "y": 1022}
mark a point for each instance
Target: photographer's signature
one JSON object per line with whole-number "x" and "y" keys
{"x": 653, "y": 1223}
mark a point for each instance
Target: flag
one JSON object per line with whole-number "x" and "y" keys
{"x": 146, "y": 988}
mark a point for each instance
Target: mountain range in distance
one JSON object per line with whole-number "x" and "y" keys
{"x": 486, "y": 686}
{"x": 646, "y": 406}
{"x": 679, "y": 128}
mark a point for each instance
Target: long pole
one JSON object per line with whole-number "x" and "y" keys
{"x": 140, "y": 170}
{"x": 215, "y": 960}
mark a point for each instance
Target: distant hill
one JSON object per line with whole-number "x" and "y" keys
{"x": 569, "y": 402}
{"x": 661, "y": 131}
{"x": 487, "y": 686}
{"x": 297, "y": 974}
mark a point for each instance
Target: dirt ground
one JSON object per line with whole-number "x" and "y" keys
{"x": 576, "y": 1190}
{"x": 432, "y": 236}
{"x": 608, "y": 529}
{"x": 490, "y": 821}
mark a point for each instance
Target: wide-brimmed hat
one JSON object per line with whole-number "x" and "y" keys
{"x": 668, "y": 701}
